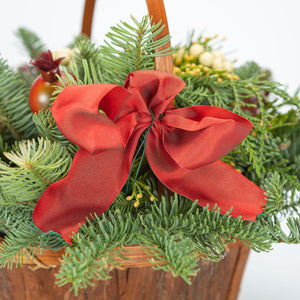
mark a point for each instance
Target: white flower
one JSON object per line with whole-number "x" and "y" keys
{"x": 196, "y": 50}
{"x": 218, "y": 64}
{"x": 206, "y": 59}
{"x": 67, "y": 53}
{"x": 218, "y": 55}
{"x": 228, "y": 66}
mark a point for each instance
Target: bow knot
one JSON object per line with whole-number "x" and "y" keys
{"x": 152, "y": 120}
{"x": 182, "y": 146}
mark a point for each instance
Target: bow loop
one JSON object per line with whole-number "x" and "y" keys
{"x": 206, "y": 133}
{"x": 76, "y": 113}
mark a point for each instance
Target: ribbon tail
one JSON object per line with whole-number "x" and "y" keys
{"x": 91, "y": 185}
{"x": 215, "y": 183}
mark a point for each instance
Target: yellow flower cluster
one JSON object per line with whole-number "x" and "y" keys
{"x": 138, "y": 197}
{"x": 200, "y": 60}
{"x": 193, "y": 69}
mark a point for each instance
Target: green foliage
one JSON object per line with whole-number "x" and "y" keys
{"x": 94, "y": 249}
{"x": 181, "y": 216}
{"x": 172, "y": 231}
{"x": 251, "y": 69}
{"x": 31, "y": 43}
{"x": 26, "y": 241}
{"x": 279, "y": 235}
{"x": 15, "y": 113}
{"x": 48, "y": 129}
{"x": 33, "y": 166}
{"x": 181, "y": 257}
{"x": 86, "y": 60}
{"x": 13, "y": 214}
{"x": 78, "y": 39}
{"x": 131, "y": 48}
{"x": 273, "y": 188}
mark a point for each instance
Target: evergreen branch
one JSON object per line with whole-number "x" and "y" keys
{"x": 183, "y": 217}
{"x": 249, "y": 70}
{"x": 94, "y": 247}
{"x": 48, "y": 129}
{"x": 131, "y": 48}
{"x": 31, "y": 42}
{"x": 86, "y": 56}
{"x": 15, "y": 113}
{"x": 291, "y": 205}
{"x": 274, "y": 187}
{"x": 171, "y": 253}
{"x": 13, "y": 213}
{"x": 37, "y": 165}
{"x": 275, "y": 228}
{"x": 78, "y": 39}
{"x": 25, "y": 242}
{"x": 293, "y": 225}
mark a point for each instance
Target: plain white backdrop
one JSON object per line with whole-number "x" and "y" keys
{"x": 264, "y": 31}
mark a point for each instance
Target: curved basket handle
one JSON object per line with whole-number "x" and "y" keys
{"x": 88, "y": 17}
{"x": 157, "y": 12}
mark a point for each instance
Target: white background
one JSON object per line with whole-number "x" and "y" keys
{"x": 264, "y": 31}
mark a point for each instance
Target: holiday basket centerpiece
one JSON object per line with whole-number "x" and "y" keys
{"x": 134, "y": 155}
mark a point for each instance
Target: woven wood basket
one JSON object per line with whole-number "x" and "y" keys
{"x": 136, "y": 280}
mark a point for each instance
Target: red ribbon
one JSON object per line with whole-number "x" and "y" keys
{"x": 183, "y": 148}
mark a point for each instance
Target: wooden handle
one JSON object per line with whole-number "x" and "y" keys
{"x": 157, "y": 12}
{"x": 88, "y": 17}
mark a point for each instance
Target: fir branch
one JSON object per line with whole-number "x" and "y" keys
{"x": 31, "y": 42}
{"x": 131, "y": 48}
{"x": 87, "y": 56}
{"x": 274, "y": 187}
{"x": 15, "y": 113}
{"x": 94, "y": 247}
{"x": 293, "y": 225}
{"x": 25, "y": 242}
{"x": 37, "y": 164}
{"x": 13, "y": 213}
{"x": 248, "y": 70}
{"x": 78, "y": 39}
{"x": 182, "y": 217}
{"x": 48, "y": 129}
{"x": 275, "y": 228}
{"x": 89, "y": 74}
{"x": 171, "y": 253}
{"x": 291, "y": 204}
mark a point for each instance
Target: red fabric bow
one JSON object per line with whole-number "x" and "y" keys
{"x": 183, "y": 148}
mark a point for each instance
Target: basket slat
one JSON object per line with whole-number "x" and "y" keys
{"x": 135, "y": 254}
{"x": 214, "y": 281}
